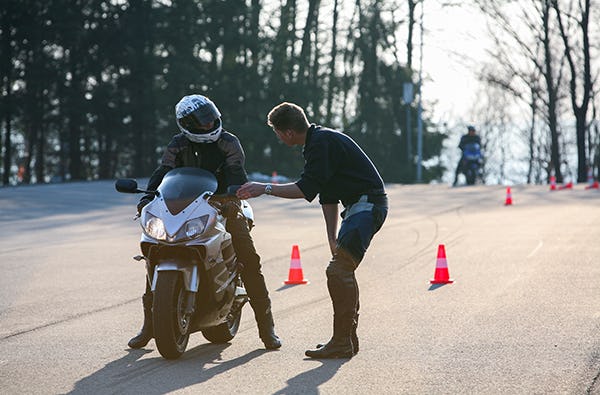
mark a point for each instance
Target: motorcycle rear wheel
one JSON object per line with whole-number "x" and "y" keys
{"x": 470, "y": 178}
{"x": 171, "y": 325}
{"x": 226, "y": 331}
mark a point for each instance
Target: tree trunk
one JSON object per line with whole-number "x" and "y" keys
{"x": 305, "y": 52}
{"x": 552, "y": 94}
{"x": 579, "y": 110}
{"x": 142, "y": 122}
{"x": 412, "y": 4}
{"x": 533, "y": 108}
{"x": 6, "y": 68}
{"x": 74, "y": 119}
{"x": 331, "y": 83}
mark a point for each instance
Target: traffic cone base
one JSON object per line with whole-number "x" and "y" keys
{"x": 295, "y": 275}
{"x": 552, "y": 183}
{"x": 441, "y": 275}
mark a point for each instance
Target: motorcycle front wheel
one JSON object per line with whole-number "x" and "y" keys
{"x": 227, "y": 330}
{"x": 171, "y": 325}
{"x": 471, "y": 176}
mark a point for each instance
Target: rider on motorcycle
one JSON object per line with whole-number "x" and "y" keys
{"x": 470, "y": 146}
{"x": 205, "y": 144}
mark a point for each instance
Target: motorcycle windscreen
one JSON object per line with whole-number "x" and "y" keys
{"x": 181, "y": 186}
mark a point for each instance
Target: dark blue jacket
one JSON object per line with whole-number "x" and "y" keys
{"x": 336, "y": 168}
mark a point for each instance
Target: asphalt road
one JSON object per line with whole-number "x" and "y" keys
{"x": 522, "y": 317}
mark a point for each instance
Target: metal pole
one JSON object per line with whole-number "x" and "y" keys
{"x": 407, "y": 96}
{"x": 408, "y": 135}
{"x": 419, "y": 107}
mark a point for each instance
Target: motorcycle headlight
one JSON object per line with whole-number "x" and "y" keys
{"x": 196, "y": 226}
{"x": 155, "y": 228}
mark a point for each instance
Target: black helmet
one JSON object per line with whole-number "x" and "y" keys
{"x": 195, "y": 110}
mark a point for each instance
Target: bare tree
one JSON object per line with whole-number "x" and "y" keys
{"x": 581, "y": 75}
{"x": 412, "y": 5}
{"x": 332, "y": 62}
{"x": 7, "y": 14}
{"x": 534, "y": 58}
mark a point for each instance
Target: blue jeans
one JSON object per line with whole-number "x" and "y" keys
{"x": 361, "y": 221}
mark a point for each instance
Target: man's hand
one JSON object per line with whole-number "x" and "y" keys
{"x": 251, "y": 190}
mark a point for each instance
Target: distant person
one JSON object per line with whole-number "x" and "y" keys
{"x": 205, "y": 144}
{"x": 467, "y": 141}
{"x": 337, "y": 170}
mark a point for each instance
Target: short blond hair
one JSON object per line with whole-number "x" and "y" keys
{"x": 288, "y": 116}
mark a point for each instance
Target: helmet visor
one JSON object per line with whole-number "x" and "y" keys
{"x": 197, "y": 125}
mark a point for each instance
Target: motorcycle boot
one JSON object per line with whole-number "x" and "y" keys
{"x": 147, "y": 332}
{"x": 264, "y": 321}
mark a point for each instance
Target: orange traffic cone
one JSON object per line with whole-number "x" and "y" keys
{"x": 274, "y": 177}
{"x": 552, "y": 183}
{"x": 568, "y": 185}
{"x": 508, "y": 201}
{"x": 441, "y": 275}
{"x": 295, "y": 275}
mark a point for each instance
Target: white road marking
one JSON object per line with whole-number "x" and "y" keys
{"x": 540, "y": 244}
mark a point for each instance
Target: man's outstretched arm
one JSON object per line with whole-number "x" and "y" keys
{"x": 255, "y": 189}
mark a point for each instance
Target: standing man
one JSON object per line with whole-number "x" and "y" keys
{"x": 337, "y": 170}
{"x": 205, "y": 144}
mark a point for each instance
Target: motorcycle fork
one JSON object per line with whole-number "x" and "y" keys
{"x": 190, "y": 303}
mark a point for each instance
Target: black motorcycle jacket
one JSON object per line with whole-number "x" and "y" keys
{"x": 466, "y": 139}
{"x": 224, "y": 158}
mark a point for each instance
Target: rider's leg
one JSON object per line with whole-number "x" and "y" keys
{"x": 253, "y": 279}
{"x": 457, "y": 171}
{"x": 147, "y": 332}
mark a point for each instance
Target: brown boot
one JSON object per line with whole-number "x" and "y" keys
{"x": 353, "y": 335}
{"x": 340, "y": 345}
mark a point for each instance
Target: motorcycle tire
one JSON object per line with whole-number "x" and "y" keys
{"x": 470, "y": 176}
{"x": 226, "y": 331}
{"x": 171, "y": 327}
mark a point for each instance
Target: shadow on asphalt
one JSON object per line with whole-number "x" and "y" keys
{"x": 433, "y": 287}
{"x": 307, "y": 383}
{"x": 131, "y": 374}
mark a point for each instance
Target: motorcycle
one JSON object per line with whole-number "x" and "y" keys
{"x": 190, "y": 261}
{"x": 472, "y": 161}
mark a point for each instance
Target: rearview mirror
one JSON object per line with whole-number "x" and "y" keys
{"x": 126, "y": 185}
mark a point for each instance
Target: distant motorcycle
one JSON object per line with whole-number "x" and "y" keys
{"x": 472, "y": 162}
{"x": 190, "y": 260}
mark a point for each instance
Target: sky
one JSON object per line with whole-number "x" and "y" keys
{"x": 454, "y": 40}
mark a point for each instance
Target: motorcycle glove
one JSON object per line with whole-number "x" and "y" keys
{"x": 144, "y": 201}
{"x": 231, "y": 208}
